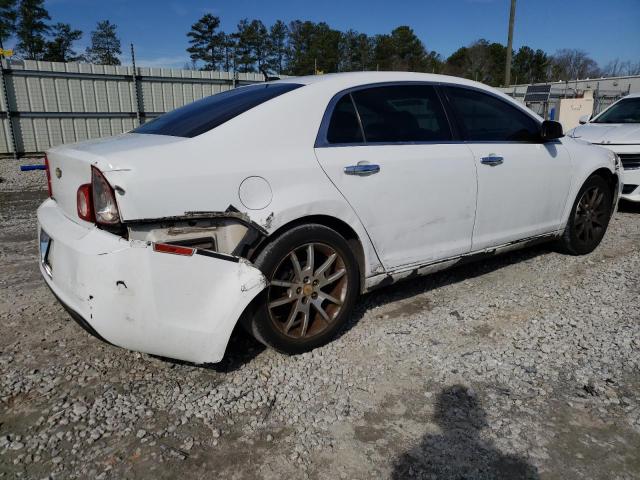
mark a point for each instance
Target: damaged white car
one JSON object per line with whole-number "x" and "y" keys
{"x": 276, "y": 205}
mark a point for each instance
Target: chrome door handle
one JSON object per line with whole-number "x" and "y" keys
{"x": 362, "y": 169}
{"x": 492, "y": 160}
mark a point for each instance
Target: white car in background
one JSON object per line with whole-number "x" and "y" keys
{"x": 618, "y": 129}
{"x": 277, "y": 204}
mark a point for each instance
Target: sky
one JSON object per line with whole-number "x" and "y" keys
{"x": 605, "y": 29}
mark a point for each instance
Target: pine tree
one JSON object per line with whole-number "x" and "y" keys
{"x": 277, "y": 47}
{"x": 60, "y": 48}
{"x": 105, "y": 45}
{"x": 31, "y": 29}
{"x": 8, "y": 17}
{"x": 207, "y": 44}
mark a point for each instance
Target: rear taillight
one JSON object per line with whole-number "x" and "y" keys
{"x": 105, "y": 208}
{"x": 85, "y": 209}
{"x": 46, "y": 167}
{"x": 173, "y": 249}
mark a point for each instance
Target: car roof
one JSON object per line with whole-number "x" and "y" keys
{"x": 352, "y": 79}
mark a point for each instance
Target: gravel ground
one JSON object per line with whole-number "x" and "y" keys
{"x": 522, "y": 366}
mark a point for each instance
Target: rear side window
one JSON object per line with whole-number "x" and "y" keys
{"x": 344, "y": 126}
{"x": 402, "y": 113}
{"x": 485, "y": 118}
{"x": 206, "y": 114}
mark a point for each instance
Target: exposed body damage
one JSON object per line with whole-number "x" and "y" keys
{"x": 127, "y": 292}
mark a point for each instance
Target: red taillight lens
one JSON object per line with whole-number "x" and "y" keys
{"x": 173, "y": 249}
{"x": 85, "y": 210}
{"x": 46, "y": 168}
{"x": 105, "y": 208}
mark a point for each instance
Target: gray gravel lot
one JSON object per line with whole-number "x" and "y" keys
{"x": 523, "y": 366}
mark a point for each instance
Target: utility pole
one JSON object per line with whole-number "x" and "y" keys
{"x": 507, "y": 70}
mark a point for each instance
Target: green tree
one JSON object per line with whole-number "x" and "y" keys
{"x": 228, "y": 46}
{"x": 481, "y": 61}
{"x": 403, "y": 50}
{"x": 32, "y": 28}
{"x": 60, "y": 47}
{"x": 8, "y": 17}
{"x": 356, "y": 51}
{"x": 278, "y": 47}
{"x": 529, "y": 66}
{"x": 207, "y": 44}
{"x": 105, "y": 45}
{"x": 313, "y": 45}
{"x": 253, "y": 46}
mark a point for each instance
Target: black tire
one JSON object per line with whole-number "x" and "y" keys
{"x": 589, "y": 217}
{"x": 268, "y": 324}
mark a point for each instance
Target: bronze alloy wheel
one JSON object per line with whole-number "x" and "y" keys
{"x": 591, "y": 215}
{"x": 308, "y": 290}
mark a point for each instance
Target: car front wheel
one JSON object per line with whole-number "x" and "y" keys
{"x": 313, "y": 285}
{"x": 589, "y": 217}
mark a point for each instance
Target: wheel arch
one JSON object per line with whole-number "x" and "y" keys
{"x": 340, "y": 226}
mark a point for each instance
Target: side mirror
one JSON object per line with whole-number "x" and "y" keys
{"x": 584, "y": 119}
{"x": 551, "y": 130}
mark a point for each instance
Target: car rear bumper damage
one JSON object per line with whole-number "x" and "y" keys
{"x": 124, "y": 292}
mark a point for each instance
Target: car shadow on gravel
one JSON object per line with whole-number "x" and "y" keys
{"x": 459, "y": 451}
{"x": 242, "y": 349}
{"x": 408, "y": 288}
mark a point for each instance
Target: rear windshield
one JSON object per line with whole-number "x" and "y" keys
{"x": 206, "y": 114}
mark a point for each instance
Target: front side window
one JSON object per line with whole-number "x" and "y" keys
{"x": 206, "y": 114}
{"x": 402, "y": 113}
{"x": 485, "y": 118}
{"x": 625, "y": 111}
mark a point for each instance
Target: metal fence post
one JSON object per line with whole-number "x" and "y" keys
{"x": 136, "y": 94}
{"x": 11, "y": 139}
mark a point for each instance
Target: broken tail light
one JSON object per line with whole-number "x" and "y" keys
{"x": 84, "y": 203}
{"x": 105, "y": 208}
{"x": 173, "y": 249}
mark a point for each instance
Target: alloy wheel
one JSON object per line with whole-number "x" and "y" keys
{"x": 590, "y": 219}
{"x": 307, "y": 290}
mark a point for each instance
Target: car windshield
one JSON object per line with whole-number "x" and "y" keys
{"x": 208, "y": 113}
{"x": 625, "y": 111}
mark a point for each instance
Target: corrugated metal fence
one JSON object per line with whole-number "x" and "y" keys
{"x": 53, "y": 103}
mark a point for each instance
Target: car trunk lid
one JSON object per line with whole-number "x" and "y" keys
{"x": 70, "y": 165}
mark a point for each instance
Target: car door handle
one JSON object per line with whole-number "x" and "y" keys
{"x": 362, "y": 169}
{"x": 492, "y": 160}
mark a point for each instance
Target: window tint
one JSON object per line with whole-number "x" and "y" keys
{"x": 484, "y": 117}
{"x": 344, "y": 126}
{"x": 206, "y": 114}
{"x": 403, "y": 113}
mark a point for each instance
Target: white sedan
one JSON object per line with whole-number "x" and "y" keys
{"x": 618, "y": 129}
{"x": 275, "y": 205}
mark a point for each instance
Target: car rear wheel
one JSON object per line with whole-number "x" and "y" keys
{"x": 589, "y": 217}
{"x": 313, "y": 285}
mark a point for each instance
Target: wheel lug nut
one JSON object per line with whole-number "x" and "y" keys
{"x": 306, "y": 280}
{"x": 315, "y": 283}
{"x": 299, "y": 290}
{"x": 314, "y": 295}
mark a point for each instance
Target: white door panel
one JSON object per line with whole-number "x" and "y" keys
{"x": 522, "y": 195}
{"x": 418, "y": 207}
